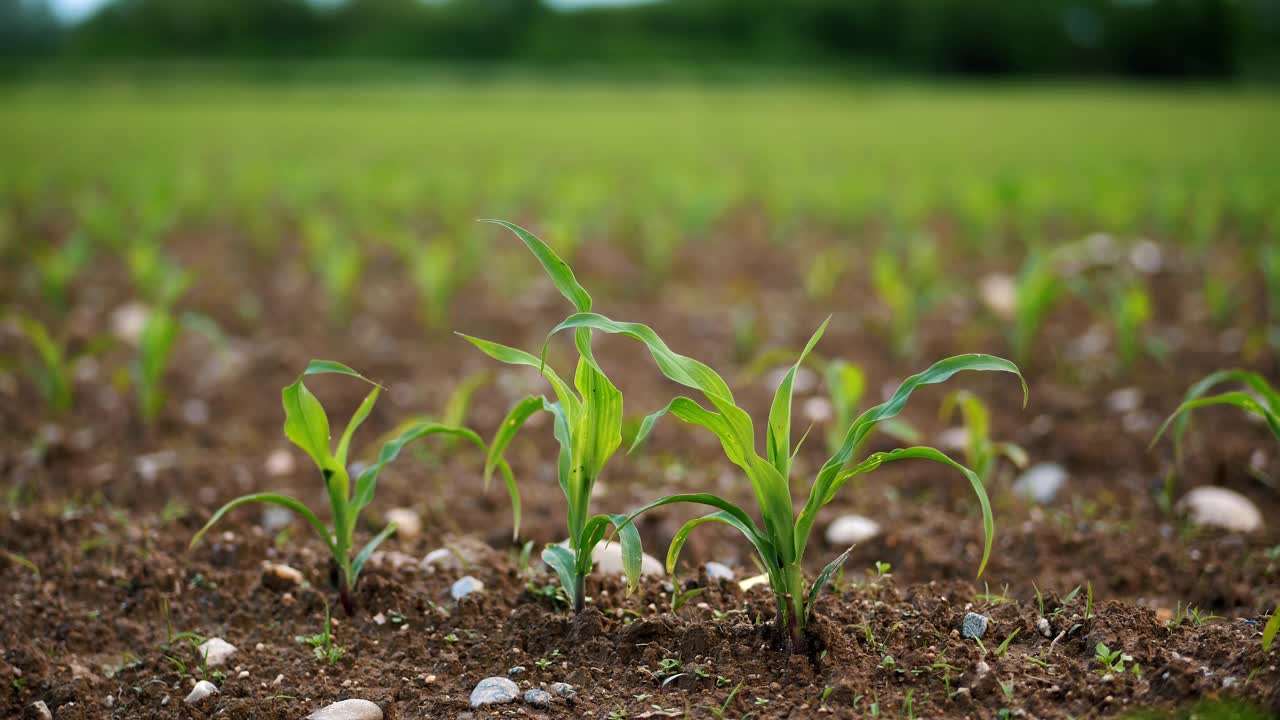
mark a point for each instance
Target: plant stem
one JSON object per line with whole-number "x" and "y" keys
{"x": 579, "y": 593}
{"x": 794, "y": 579}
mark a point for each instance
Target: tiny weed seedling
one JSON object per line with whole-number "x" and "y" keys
{"x": 1112, "y": 661}
{"x": 322, "y": 643}
{"x": 1191, "y": 613}
{"x": 981, "y": 454}
{"x": 587, "y": 426}
{"x": 781, "y": 543}
{"x": 307, "y": 426}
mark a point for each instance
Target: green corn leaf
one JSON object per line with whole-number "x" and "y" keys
{"x": 306, "y": 424}
{"x": 363, "y": 556}
{"x": 556, "y": 268}
{"x": 357, "y": 418}
{"x": 367, "y": 481}
{"x": 561, "y": 559}
{"x": 323, "y": 367}
{"x": 1237, "y": 398}
{"x": 627, "y": 534}
{"x": 512, "y": 356}
{"x": 270, "y": 499}
{"x": 823, "y": 578}
{"x": 778, "y": 440}
{"x": 1270, "y": 630}
{"x": 1269, "y": 396}
{"x": 682, "y": 369}
{"x": 805, "y": 521}
{"x": 507, "y": 430}
{"x": 564, "y": 436}
{"x": 761, "y": 545}
{"x": 455, "y": 408}
{"x": 598, "y": 427}
{"x": 514, "y": 493}
{"x": 56, "y": 384}
{"x": 732, "y": 515}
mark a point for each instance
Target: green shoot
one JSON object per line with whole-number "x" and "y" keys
{"x": 587, "y": 426}
{"x": 155, "y": 350}
{"x": 307, "y": 426}
{"x": 53, "y": 375}
{"x": 781, "y": 543}
{"x": 1130, "y": 313}
{"x": 1037, "y": 289}
{"x": 1259, "y": 399}
{"x": 59, "y": 266}
{"x": 981, "y": 454}
{"x": 1269, "y": 631}
{"x": 322, "y": 643}
{"x": 1112, "y": 661}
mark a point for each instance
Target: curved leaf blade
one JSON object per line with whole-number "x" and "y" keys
{"x": 270, "y": 499}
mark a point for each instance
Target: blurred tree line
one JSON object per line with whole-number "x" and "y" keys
{"x": 1160, "y": 38}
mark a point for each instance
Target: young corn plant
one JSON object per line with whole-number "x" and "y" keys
{"x": 307, "y": 425}
{"x": 586, "y": 424}
{"x": 1130, "y": 314}
{"x": 1037, "y": 289}
{"x": 782, "y": 542}
{"x": 1260, "y": 399}
{"x": 981, "y": 454}
{"x": 53, "y": 374}
{"x": 155, "y": 350}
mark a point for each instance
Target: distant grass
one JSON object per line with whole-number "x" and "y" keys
{"x": 1109, "y": 155}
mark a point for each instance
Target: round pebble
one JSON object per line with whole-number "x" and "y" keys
{"x": 202, "y": 690}
{"x": 563, "y": 689}
{"x": 464, "y": 586}
{"x": 1041, "y": 482}
{"x": 718, "y": 571}
{"x": 353, "y": 709}
{"x": 849, "y": 530}
{"x": 493, "y": 691}
{"x": 538, "y": 698}
{"x": 1220, "y": 507}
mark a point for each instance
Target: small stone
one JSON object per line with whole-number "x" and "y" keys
{"x": 999, "y": 293}
{"x": 40, "y": 711}
{"x": 242, "y": 675}
{"x": 956, "y": 438}
{"x": 129, "y": 320}
{"x": 408, "y": 522}
{"x": 279, "y": 680}
{"x": 563, "y": 689}
{"x": 818, "y": 410}
{"x": 607, "y": 558}
{"x": 849, "y": 530}
{"x": 464, "y": 587}
{"x": 195, "y": 411}
{"x": 150, "y": 466}
{"x": 1220, "y": 507}
{"x": 983, "y": 668}
{"x": 516, "y": 670}
{"x": 1042, "y": 626}
{"x": 973, "y": 626}
{"x": 279, "y": 576}
{"x": 275, "y": 518}
{"x": 1041, "y": 482}
{"x": 540, "y": 699}
{"x": 1146, "y": 257}
{"x": 1124, "y": 400}
{"x": 353, "y": 709}
{"x": 215, "y": 651}
{"x": 718, "y": 571}
{"x": 280, "y": 463}
{"x": 494, "y": 691}
{"x": 202, "y": 690}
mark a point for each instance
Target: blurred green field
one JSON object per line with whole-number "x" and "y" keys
{"x": 1179, "y": 163}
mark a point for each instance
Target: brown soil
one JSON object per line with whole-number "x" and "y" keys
{"x": 110, "y": 539}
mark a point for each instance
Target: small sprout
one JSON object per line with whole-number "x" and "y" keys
{"x": 1260, "y": 399}
{"x": 1004, "y": 646}
{"x": 1112, "y": 661}
{"x": 982, "y": 455}
{"x": 1270, "y": 629}
{"x": 322, "y": 643}
{"x": 681, "y": 598}
{"x": 307, "y": 426}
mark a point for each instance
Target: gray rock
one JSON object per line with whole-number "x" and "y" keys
{"x": 348, "y": 710}
{"x": 516, "y": 670}
{"x": 538, "y": 698}
{"x": 849, "y": 530}
{"x": 200, "y": 692}
{"x": 494, "y": 691}
{"x": 39, "y": 711}
{"x": 719, "y": 571}
{"x": 1220, "y": 507}
{"x": 973, "y": 626}
{"x": 465, "y": 586}
{"x": 215, "y": 651}
{"x": 275, "y": 518}
{"x": 408, "y": 522}
{"x": 563, "y": 689}
{"x": 1042, "y": 626}
{"x": 1041, "y": 482}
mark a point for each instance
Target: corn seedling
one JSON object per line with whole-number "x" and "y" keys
{"x": 1037, "y": 289}
{"x": 981, "y": 454}
{"x": 1130, "y": 315}
{"x": 337, "y": 260}
{"x": 322, "y": 643}
{"x": 1260, "y": 399}
{"x": 58, "y": 266}
{"x": 155, "y": 350}
{"x": 781, "y": 543}
{"x": 307, "y": 426}
{"x": 587, "y": 426}
{"x": 53, "y": 373}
